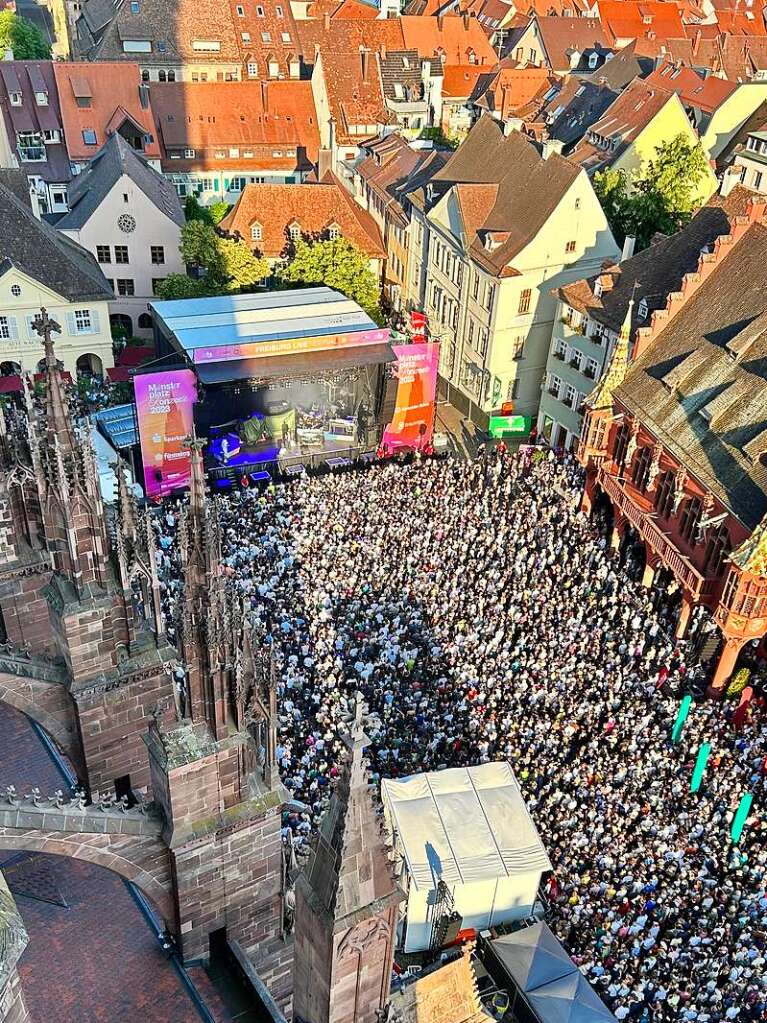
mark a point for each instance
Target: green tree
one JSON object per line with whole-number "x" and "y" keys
{"x": 217, "y": 211}
{"x": 194, "y": 211}
{"x": 181, "y": 286}
{"x": 228, "y": 265}
{"x": 241, "y": 268}
{"x": 338, "y": 264}
{"x": 660, "y": 197}
{"x": 23, "y": 37}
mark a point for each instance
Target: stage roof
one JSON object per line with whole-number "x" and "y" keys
{"x": 118, "y": 424}
{"x": 464, "y": 825}
{"x": 570, "y": 999}
{"x": 311, "y": 362}
{"x": 532, "y": 956}
{"x": 199, "y": 324}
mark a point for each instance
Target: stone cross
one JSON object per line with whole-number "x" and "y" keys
{"x": 46, "y": 328}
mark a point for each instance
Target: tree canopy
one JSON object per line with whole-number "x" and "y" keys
{"x": 225, "y": 264}
{"x": 182, "y": 286}
{"x": 660, "y": 197}
{"x": 23, "y": 37}
{"x": 338, "y": 264}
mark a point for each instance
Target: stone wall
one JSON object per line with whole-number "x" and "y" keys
{"x": 24, "y": 607}
{"x": 13, "y": 941}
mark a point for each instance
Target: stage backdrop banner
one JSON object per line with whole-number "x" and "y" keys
{"x": 165, "y": 408}
{"x": 412, "y": 425}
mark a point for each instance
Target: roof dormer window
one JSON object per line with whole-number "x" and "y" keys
{"x": 643, "y": 309}
{"x": 334, "y": 231}
{"x": 16, "y": 99}
{"x": 41, "y": 99}
{"x": 294, "y": 231}
{"x": 256, "y": 232}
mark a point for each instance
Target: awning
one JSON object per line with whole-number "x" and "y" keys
{"x": 10, "y": 384}
{"x": 532, "y": 956}
{"x": 293, "y": 365}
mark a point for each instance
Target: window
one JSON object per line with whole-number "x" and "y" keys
{"x": 577, "y": 204}
{"x": 256, "y": 232}
{"x": 145, "y": 321}
{"x": 41, "y": 99}
{"x": 483, "y": 340}
{"x": 121, "y": 254}
{"x": 135, "y": 7}
{"x": 642, "y": 309}
{"x": 259, "y": 10}
{"x": 475, "y": 285}
{"x": 206, "y": 45}
{"x": 524, "y": 301}
{"x": 570, "y": 247}
{"x": 664, "y": 497}
{"x": 83, "y": 321}
{"x": 245, "y": 37}
{"x": 240, "y": 11}
{"x": 145, "y": 75}
{"x": 278, "y": 11}
{"x": 717, "y": 549}
{"x": 157, "y": 253}
{"x": 189, "y": 154}
{"x": 285, "y": 37}
{"x": 103, "y": 254}
{"x": 52, "y": 135}
{"x": 89, "y": 137}
{"x": 252, "y": 70}
{"x": 758, "y": 180}
{"x": 135, "y": 46}
{"x": 156, "y": 282}
{"x": 518, "y": 347}
{"x": 690, "y": 520}
{"x": 8, "y": 328}
{"x": 576, "y": 359}
{"x": 512, "y": 390}
{"x": 571, "y": 396}
{"x": 266, "y": 37}
{"x": 641, "y": 469}
{"x": 16, "y": 291}
{"x": 592, "y": 368}
{"x": 31, "y": 147}
{"x": 334, "y": 231}
{"x": 125, "y": 286}
{"x": 16, "y": 99}
{"x": 489, "y": 296}
{"x": 294, "y": 231}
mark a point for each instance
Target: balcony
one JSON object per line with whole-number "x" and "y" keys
{"x": 654, "y": 537}
{"x": 560, "y": 356}
{"x": 32, "y": 154}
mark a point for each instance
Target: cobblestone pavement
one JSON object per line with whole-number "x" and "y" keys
{"x": 92, "y": 956}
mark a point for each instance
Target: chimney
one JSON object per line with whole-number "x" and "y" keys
{"x": 364, "y": 60}
{"x": 512, "y": 124}
{"x": 326, "y": 21}
{"x": 466, "y": 17}
{"x": 34, "y": 201}
{"x": 324, "y": 163}
{"x": 628, "y": 247}
{"x": 551, "y": 147}
{"x": 143, "y": 95}
{"x": 265, "y": 95}
{"x": 440, "y": 22}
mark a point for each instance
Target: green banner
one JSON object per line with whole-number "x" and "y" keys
{"x": 684, "y": 710}
{"x": 501, "y": 426}
{"x": 700, "y": 766}
{"x": 739, "y": 820}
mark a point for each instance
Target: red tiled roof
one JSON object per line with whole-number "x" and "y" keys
{"x": 738, "y": 58}
{"x": 650, "y": 22}
{"x": 693, "y": 90}
{"x": 313, "y": 207}
{"x": 460, "y": 79}
{"x": 517, "y": 92}
{"x": 561, "y": 36}
{"x": 343, "y": 36}
{"x": 114, "y": 96}
{"x": 355, "y": 93}
{"x": 632, "y": 111}
{"x": 743, "y": 22}
{"x": 459, "y": 40}
{"x": 206, "y": 115}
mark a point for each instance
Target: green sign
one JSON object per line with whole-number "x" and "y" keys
{"x": 500, "y": 426}
{"x": 700, "y": 766}
{"x": 684, "y": 710}
{"x": 740, "y": 817}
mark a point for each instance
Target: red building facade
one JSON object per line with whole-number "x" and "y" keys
{"x": 674, "y": 442}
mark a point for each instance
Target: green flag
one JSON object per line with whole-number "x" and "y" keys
{"x": 684, "y": 710}
{"x": 740, "y": 817}
{"x": 700, "y": 766}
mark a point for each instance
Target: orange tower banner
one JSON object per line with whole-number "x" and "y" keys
{"x": 412, "y": 425}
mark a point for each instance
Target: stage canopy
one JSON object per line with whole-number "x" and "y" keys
{"x": 532, "y": 956}
{"x": 253, "y": 328}
{"x": 314, "y": 362}
{"x": 464, "y": 825}
{"x": 118, "y": 425}
{"x": 570, "y": 999}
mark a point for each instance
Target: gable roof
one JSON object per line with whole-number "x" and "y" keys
{"x": 706, "y": 94}
{"x": 116, "y": 94}
{"x": 529, "y": 188}
{"x": 459, "y": 40}
{"x": 620, "y": 68}
{"x": 700, "y": 385}
{"x": 514, "y": 92}
{"x": 115, "y": 160}
{"x": 739, "y": 58}
{"x": 648, "y": 22}
{"x": 460, "y": 80}
{"x": 617, "y": 128}
{"x": 652, "y": 274}
{"x": 390, "y": 168}
{"x": 345, "y": 36}
{"x": 314, "y": 207}
{"x": 355, "y": 93}
{"x": 46, "y": 255}
{"x": 563, "y": 36}
{"x": 206, "y": 115}
{"x": 576, "y": 108}
{"x": 27, "y": 78}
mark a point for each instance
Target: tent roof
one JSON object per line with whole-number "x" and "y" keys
{"x": 532, "y": 956}
{"x": 464, "y": 825}
{"x": 570, "y": 999}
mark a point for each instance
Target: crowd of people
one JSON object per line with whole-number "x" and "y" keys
{"x": 482, "y": 617}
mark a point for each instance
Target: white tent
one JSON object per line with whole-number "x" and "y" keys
{"x": 470, "y": 828}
